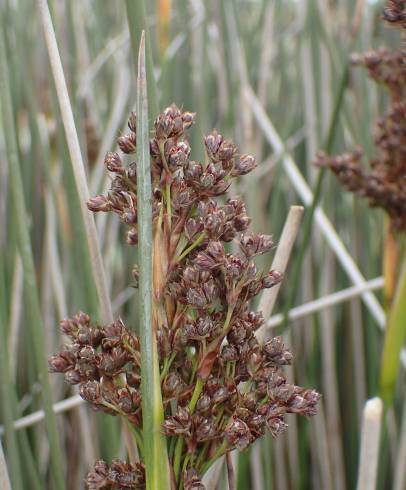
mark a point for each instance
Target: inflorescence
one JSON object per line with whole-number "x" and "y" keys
{"x": 384, "y": 183}
{"x": 221, "y": 388}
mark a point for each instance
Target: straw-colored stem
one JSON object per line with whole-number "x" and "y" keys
{"x": 370, "y": 437}
{"x": 280, "y": 263}
{"x": 329, "y": 376}
{"x": 156, "y": 459}
{"x": 319, "y": 304}
{"x": 7, "y": 397}
{"x": 77, "y": 162}
{"x": 21, "y": 225}
{"x": 399, "y": 482}
{"x": 4, "y": 478}
{"x": 230, "y": 472}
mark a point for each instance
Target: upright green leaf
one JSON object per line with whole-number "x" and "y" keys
{"x": 394, "y": 338}
{"x": 156, "y": 460}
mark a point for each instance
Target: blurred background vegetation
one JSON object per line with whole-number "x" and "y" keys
{"x": 210, "y": 57}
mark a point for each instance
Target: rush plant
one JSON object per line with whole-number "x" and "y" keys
{"x": 220, "y": 389}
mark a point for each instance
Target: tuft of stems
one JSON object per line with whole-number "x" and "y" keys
{"x": 30, "y": 283}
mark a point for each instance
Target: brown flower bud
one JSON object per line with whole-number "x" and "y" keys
{"x": 205, "y": 430}
{"x": 212, "y": 143}
{"x": 73, "y": 377}
{"x": 99, "y": 203}
{"x": 220, "y": 395}
{"x": 304, "y": 403}
{"x": 172, "y": 385}
{"x": 272, "y": 279}
{"x": 178, "y": 424}
{"x": 276, "y": 425}
{"x": 132, "y": 122}
{"x": 229, "y": 353}
{"x": 204, "y": 326}
{"x": 188, "y": 119}
{"x": 238, "y": 434}
{"x": 275, "y": 351}
{"x": 252, "y": 245}
{"x": 282, "y": 393}
{"x": 179, "y": 154}
{"x": 127, "y": 143}
{"x": 163, "y": 127}
{"x": 113, "y": 163}
{"x": 128, "y": 401}
{"x": 193, "y": 227}
{"x": 193, "y": 171}
{"x": 136, "y": 275}
{"x": 243, "y": 165}
{"x": 132, "y": 236}
{"x": 226, "y": 150}
{"x": 204, "y": 403}
{"x": 98, "y": 478}
{"x": 61, "y": 363}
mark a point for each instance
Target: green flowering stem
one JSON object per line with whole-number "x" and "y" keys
{"x": 191, "y": 247}
{"x": 220, "y": 451}
{"x": 180, "y": 443}
{"x": 167, "y": 364}
{"x": 198, "y": 389}
{"x": 178, "y": 454}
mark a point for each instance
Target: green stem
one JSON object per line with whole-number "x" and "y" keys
{"x": 167, "y": 365}
{"x": 180, "y": 443}
{"x": 178, "y": 454}
{"x": 137, "y": 22}
{"x": 228, "y": 319}
{"x": 220, "y": 451}
{"x": 137, "y": 435}
{"x": 394, "y": 338}
{"x": 198, "y": 389}
{"x": 191, "y": 247}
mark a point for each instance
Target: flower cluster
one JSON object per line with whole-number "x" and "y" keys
{"x": 104, "y": 362}
{"x": 118, "y": 475}
{"x": 395, "y": 13}
{"x": 384, "y": 183}
{"x": 221, "y": 388}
